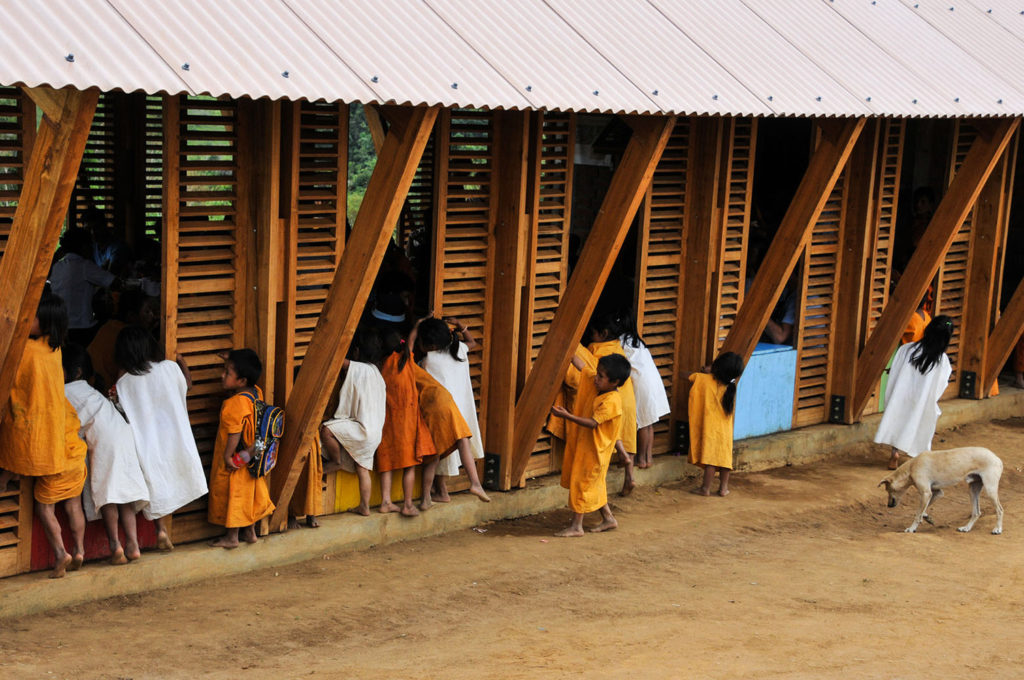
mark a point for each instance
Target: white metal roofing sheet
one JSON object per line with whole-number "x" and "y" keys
{"x": 756, "y": 54}
{"x": 82, "y": 43}
{"x": 921, "y": 48}
{"x": 243, "y": 47}
{"x": 827, "y": 39}
{"x": 677, "y": 73}
{"x": 543, "y": 57}
{"x": 760, "y": 57}
{"x": 406, "y": 53}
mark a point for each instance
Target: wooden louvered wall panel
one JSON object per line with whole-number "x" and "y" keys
{"x": 547, "y": 259}
{"x": 153, "y": 148}
{"x": 951, "y": 282}
{"x": 204, "y": 239}
{"x": 463, "y": 219}
{"x": 815, "y": 314}
{"x": 17, "y": 134}
{"x": 95, "y": 187}
{"x": 317, "y": 228}
{"x": 415, "y": 223}
{"x": 660, "y": 266}
{"x": 887, "y": 191}
{"x": 740, "y": 141}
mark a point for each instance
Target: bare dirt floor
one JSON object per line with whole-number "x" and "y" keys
{"x": 801, "y": 572}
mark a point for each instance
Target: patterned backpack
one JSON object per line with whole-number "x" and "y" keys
{"x": 268, "y": 423}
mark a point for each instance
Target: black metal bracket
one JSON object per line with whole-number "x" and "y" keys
{"x": 968, "y": 380}
{"x": 836, "y": 408}
{"x": 682, "y": 436}
{"x": 492, "y": 471}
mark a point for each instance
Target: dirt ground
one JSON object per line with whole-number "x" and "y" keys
{"x": 800, "y": 573}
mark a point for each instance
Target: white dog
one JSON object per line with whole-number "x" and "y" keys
{"x": 932, "y": 471}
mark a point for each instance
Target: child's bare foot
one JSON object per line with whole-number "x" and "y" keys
{"x": 224, "y": 542}
{"x": 479, "y": 492}
{"x": 426, "y": 503}
{"x": 313, "y": 523}
{"x": 248, "y": 534}
{"x": 440, "y": 498}
{"x": 363, "y": 511}
{"x": 570, "y": 532}
{"x": 76, "y": 562}
{"x": 701, "y": 491}
{"x": 163, "y": 542}
{"x": 627, "y": 487}
{"x": 118, "y": 556}
{"x": 61, "y": 567}
{"x": 388, "y": 507}
{"x": 722, "y": 491}
{"x": 606, "y": 525}
{"x": 409, "y": 510}
{"x": 131, "y": 551}
{"x": 293, "y": 523}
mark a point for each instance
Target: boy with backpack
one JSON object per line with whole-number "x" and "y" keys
{"x": 239, "y": 496}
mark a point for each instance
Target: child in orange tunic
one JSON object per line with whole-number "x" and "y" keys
{"x": 237, "y": 499}
{"x": 405, "y": 439}
{"x": 39, "y": 435}
{"x": 712, "y": 398}
{"x": 589, "y": 445}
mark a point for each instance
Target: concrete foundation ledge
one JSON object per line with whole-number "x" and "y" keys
{"x": 33, "y": 593}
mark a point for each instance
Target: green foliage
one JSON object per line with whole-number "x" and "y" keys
{"x": 361, "y": 158}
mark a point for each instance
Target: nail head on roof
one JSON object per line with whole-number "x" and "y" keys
{"x": 817, "y": 99}
{"x": 867, "y": 99}
{"x": 185, "y": 66}
{"x": 770, "y": 97}
{"x": 455, "y": 86}
{"x": 529, "y": 88}
{"x": 596, "y": 92}
{"x": 956, "y": 99}
{"x": 374, "y": 79}
{"x": 284, "y": 74}
{"x": 913, "y": 101}
{"x": 715, "y": 97}
{"x": 655, "y": 93}
{"x": 999, "y": 101}
{"x": 70, "y": 57}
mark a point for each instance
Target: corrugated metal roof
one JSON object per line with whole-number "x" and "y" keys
{"x": 728, "y": 57}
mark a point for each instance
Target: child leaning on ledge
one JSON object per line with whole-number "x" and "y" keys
{"x": 237, "y": 499}
{"x": 589, "y": 445}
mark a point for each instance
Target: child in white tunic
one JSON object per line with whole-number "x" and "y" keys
{"x": 116, "y": 488}
{"x": 445, "y": 359}
{"x": 152, "y": 395}
{"x": 919, "y": 375}
{"x": 651, "y": 398}
{"x": 350, "y": 439}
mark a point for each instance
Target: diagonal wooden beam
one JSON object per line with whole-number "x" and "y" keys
{"x": 42, "y": 205}
{"x": 987, "y": 236}
{"x": 988, "y": 146}
{"x": 861, "y": 222}
{"x": 627, "y": 189}
{"x": 1004, "y": 336}
{"x": 837, "y": 140}
{"x": 385, "y": 193}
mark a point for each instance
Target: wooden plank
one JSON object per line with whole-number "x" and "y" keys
{"x": 376, "y": 125}
{"x": 349, "y": 292}
{"x": 1004, "y": 336}
{"x": 982, "y": 283}
{"x": 42, "y": 205}
{"x": 952, "y": 210}
{"x": 826, "y": 164}
{"x": 507, "y": 253}
{"x": 855, "y": 259}
{"x": 169, "y": 233}
{"x": 627, "y": 189}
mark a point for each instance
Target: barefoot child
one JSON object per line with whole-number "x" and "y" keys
{"x": 350, "y": 439}
{"x": 604, "y": 336}
{"x": 237, "y": 499}
{"x": 651, "y": 399}
{"x": 405, "y": 439}
{"x": 445, "y": 359}
{"x": 116, "y": 489}
{"x": 39, "y": 434}
{"x": 152, "y": 394}
{"x": 712, "y": 398}
{"x": 589, "y": 445}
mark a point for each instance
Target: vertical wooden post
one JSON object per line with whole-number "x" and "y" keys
{"x": 982, "y": 283}
{"x": 627, "y": 189}
{"x": 42, "y": 205}
{"x": 827, "y": 162}
{"x": 407, "y": 137}
{"x": 1004, "y": 336}
{"x": 288, "y": 206}
{"x": 265, "y": 263}
{"x": 702, "y": 234}
{"x": 993, "y": 136}
{"x": 508, "y": 263}
{"x": 169, "y": 234}
{"x": 853, "y": 270}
